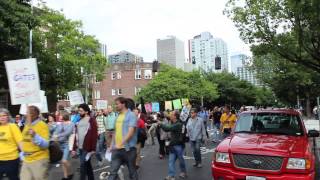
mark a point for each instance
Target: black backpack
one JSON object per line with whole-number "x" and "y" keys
{"x": 55, "y": 152}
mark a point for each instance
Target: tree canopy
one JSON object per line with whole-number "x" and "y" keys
{"x": 215, "y": 88}
{"x": 65, "y": 54}
{"x": 289, "y": 28}
{"x": 238, "y": 92}
{"x": 172, "y": 83}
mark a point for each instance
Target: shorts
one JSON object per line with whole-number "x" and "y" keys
{"x": 66, "y": 152}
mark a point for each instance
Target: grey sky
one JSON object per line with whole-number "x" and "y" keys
{"x": 135, "y": 25}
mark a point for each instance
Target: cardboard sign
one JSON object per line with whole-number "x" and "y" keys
{"x": 155, "y": 107}
{"x": 24, "y": 83}
{"x": 148, "y": 107}
{"x": 168, "y": 105}
{"x": 43, "y": 105}
{"x": 101, "y": 104}
{"x": 185, "y": 101}
{"x": 177, "y": 104}
{"x": 75, "y": 98}
{"x": 184, "y": 113}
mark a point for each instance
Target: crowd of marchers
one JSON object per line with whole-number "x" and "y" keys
{"x": 31, "y": 142}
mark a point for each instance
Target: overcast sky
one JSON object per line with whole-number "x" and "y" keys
{"x": 135, "y": 25}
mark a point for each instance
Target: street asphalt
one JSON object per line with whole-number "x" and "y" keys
{"x": 152, "y": 168}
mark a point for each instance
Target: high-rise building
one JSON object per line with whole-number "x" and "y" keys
{"x": 247, "y": 74}
{"x": 208, "y": 53}
{"x": 236, "y": 61}
{"x": 171, "y": 51}
{"x": 124, "y": 57}
{"x": 103, "y": 50}
{"x": 241, "y": 68}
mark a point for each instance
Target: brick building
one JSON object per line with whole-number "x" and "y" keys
{"x": 123, "y": 79}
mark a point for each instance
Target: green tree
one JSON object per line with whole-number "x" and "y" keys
{"x": 238, "y": 92}
{"x": 65, "y": 54}
{"x": 289, "y": 28}
{"x": 15, "y": 22}
{"x": 172, "y": 83}
{"x": 287, "y": 80}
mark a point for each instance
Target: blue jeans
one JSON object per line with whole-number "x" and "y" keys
{"x": 85, "y": 166}
{"x": 195, "y": 146}
{"x": 176, "y": 152}
{"x": 100, "y": 148}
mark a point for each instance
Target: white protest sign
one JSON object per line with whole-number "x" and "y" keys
{"x": 102, "y": 104}
{"x": 43, "y": 105}
{"x": 24, "y": 83}
{"x": 75, "y": 98}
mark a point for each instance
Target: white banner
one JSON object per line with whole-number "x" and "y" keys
{"x": 75, "y": 98}
{"x": 43, "y": 105}
{"x": 24, "y": 83}
{"x": 101, "y": 104}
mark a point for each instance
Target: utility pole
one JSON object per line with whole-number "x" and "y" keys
{"x": 30, "y": 33}
{"x": 318, "y": 109}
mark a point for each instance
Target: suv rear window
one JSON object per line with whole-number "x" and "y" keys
{"x": 269, "y": 123}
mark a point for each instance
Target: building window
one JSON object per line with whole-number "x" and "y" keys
{"x": 137, "y": 90}
{"x": 97, "y": 95}
{"x": 115, "y": 75}
{"x": 148, "y": 74}
{"x": 113, "y": 92}
{"x": 137, "y": 74}
{"x": 119, "y": 91}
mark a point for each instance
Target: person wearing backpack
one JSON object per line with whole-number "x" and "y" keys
{"x": 142, "y": 134}
{"x": 196, "y": 133}
{"x": 10, "y": 143}
{"x": 35, "y": 145}
{"x": 177, "y": 145}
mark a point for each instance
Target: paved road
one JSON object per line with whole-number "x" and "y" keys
{"x": 152, "y": 168}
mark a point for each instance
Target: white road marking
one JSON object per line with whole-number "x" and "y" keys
{"x": 96, "y": 170}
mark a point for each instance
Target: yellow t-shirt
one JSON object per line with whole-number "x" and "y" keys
{"x": 10, "y": 136}
{"x": 119, "y": 125}
{"x": 32, "y": 151}
{"x": 231, "y": 118}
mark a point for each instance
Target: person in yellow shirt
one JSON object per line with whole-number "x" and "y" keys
{"x": 10, "y": 142}
{"x": 228, "y": 121}
{"x": 35, "y": 147}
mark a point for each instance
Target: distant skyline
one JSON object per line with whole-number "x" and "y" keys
{"x": 136, "y": 25}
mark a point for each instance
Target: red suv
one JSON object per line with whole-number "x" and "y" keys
{"x": 266, "y": 145}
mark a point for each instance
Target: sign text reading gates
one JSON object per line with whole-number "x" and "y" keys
{"x": 24, "y": 83}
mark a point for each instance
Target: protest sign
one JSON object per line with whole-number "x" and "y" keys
{"x": 185, "y": 101}
{"x": 101, "y": 104}
{"x": 184, "y": 113}
{"x": 155, "y": 107}
{"x": 43, "y": 105}
{"x": 23, "y": 79}
{"x": 148, "y": 107}
{"x": 168, "y": 105}
{"x": 75, "y": 97}
{"x": 177, "y": 104}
